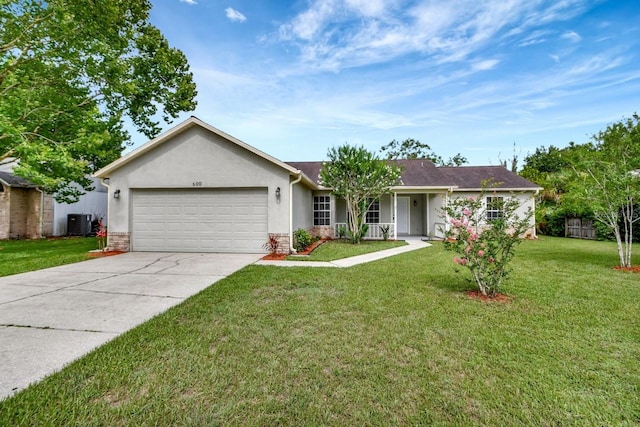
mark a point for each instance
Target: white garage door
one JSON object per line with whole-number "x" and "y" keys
{"x": 199, "y": 220}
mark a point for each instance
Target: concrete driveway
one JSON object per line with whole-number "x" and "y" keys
{"x": 51, "y": 317}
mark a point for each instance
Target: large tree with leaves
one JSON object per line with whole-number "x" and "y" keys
{"x": 359, "y": 177}
{"x": 413, "y": 149}
{"x": 71, "y": 72}
{"x": 609, "y": 180}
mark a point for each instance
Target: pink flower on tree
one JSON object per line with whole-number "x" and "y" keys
{"x": 466, "y": 212}
{"x": 480, "y": 253}
{"x": 461, "y": 261}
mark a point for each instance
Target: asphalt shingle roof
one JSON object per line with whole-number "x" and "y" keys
{"x": 12, "y": 180}
{"x": 423, "y": 173}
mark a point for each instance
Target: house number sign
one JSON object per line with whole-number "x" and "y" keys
{"x": 197, "y": 184}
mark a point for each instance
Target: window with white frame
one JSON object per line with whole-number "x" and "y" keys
{"x": 495, "y": 206}
{"x": 373, "y": 214}
{"x": 321, "y": 210}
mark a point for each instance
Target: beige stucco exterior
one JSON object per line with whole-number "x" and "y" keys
{"x": 199, "y": 158}
{"x": 525, "y": 199}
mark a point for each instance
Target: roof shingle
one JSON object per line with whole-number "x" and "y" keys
{"x": 423, "y": 173}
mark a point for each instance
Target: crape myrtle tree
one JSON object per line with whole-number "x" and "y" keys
{"x": 485, "y": 244}
{"x": 609, "y": 179}
{"x": 359, "y": 177}
{"x": 71, "y": 73}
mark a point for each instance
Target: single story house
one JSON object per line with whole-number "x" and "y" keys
{"x": 26, "y": 212}
{"x": 195, "y": 188}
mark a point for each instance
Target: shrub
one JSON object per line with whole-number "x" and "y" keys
{"x": 485, "y": 247}
{"x": 342, "y": 231}
{"x": 271, "y": 245}
{"x": 385, "y": 232}
{"x": 301, "y": 239}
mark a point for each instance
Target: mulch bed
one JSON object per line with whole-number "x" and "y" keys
{"x": 632, "y": 269}
{"x": 100, "y": 254}
{"x": 280, "y": 257}
{"x": 502, "y": 298}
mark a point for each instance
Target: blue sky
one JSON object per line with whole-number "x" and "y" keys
{"x": 468, "y": 76}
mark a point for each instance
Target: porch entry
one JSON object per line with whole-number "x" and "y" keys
{"x": 403, "y": 215}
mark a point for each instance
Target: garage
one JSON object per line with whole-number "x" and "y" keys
{"x": 199, "y": 220}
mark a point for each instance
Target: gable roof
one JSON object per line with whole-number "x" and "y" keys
{"x": 420, "y": 173}
{"x": 11, "y": 180}
{"x": 180, "y": 128}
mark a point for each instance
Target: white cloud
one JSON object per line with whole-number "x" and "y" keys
{"x": 190, "y": 2}
{"x": 571, "y": 36}
{"x": 234, "y": 15}
{"x": 488, "y": 64}
{"x": 333, "y": 35}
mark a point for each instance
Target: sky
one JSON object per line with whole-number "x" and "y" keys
{"x": 484, "y": 78}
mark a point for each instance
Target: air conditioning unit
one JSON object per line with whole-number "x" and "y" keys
{"x": 78, "y": 224}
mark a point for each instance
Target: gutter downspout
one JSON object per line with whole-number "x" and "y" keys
{"x": 291, "y": 184}
{"x": 108, "y": 207}
{"x": 41, "y": 213}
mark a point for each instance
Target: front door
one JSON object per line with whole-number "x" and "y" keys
{"x": 403, "y": 215}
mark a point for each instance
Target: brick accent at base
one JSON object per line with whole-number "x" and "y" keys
{"x": 283, "y": 243}
{"x": 118, "y": 241}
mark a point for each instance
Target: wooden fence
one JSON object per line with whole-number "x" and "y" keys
{"x": 579, "y": 228}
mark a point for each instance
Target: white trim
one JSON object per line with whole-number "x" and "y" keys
{"x": 395, "y": 216}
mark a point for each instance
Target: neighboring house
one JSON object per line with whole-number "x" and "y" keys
{"x": 197, "y": 189}
{"x": 26, "y": 212}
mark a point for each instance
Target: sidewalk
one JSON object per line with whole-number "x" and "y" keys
{"x": 412, "y": 245}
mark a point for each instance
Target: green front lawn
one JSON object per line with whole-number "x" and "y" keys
{"x": 20, "y": 256}
{"x": 390, "y": 342}
{"x": 338, "y": 249}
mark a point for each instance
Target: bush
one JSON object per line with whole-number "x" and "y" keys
{"x": 272, "y": 243}
{"x": 301, "y": 239}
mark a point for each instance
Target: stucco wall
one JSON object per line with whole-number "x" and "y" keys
{"x": 526, "y": 200}
{"x": 302, "y": 207}
{"x": 198, "y": 158}
{"x": 435, "y": 220}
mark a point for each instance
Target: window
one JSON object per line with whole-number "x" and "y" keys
{"x": 321, "y": 210}
{"x": 494, "y": 208}
{"x": 373, "y": 214}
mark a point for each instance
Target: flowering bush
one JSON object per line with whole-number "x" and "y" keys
{"x": 485, "y": 241}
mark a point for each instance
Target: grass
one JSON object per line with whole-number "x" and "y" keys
{"x": 338, "y": 249}
{"x": 394, "y": 342}
{"x": 20, "y": 256}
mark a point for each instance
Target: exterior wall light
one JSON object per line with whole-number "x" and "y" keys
{"x": 116, "y": 194}
{"x": 415, "y": 202}
{"x": 278, "y": 193}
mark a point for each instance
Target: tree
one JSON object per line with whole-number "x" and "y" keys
{"x": 486, "y": 246}
{"x": 70, "y": 74}
{"x": 552, "y": 169}
{"x": 359, "y": 177}
{"x": 513, "y": 161}
{"x": 413, "y": 149}
{"x": 610, "y": 181}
